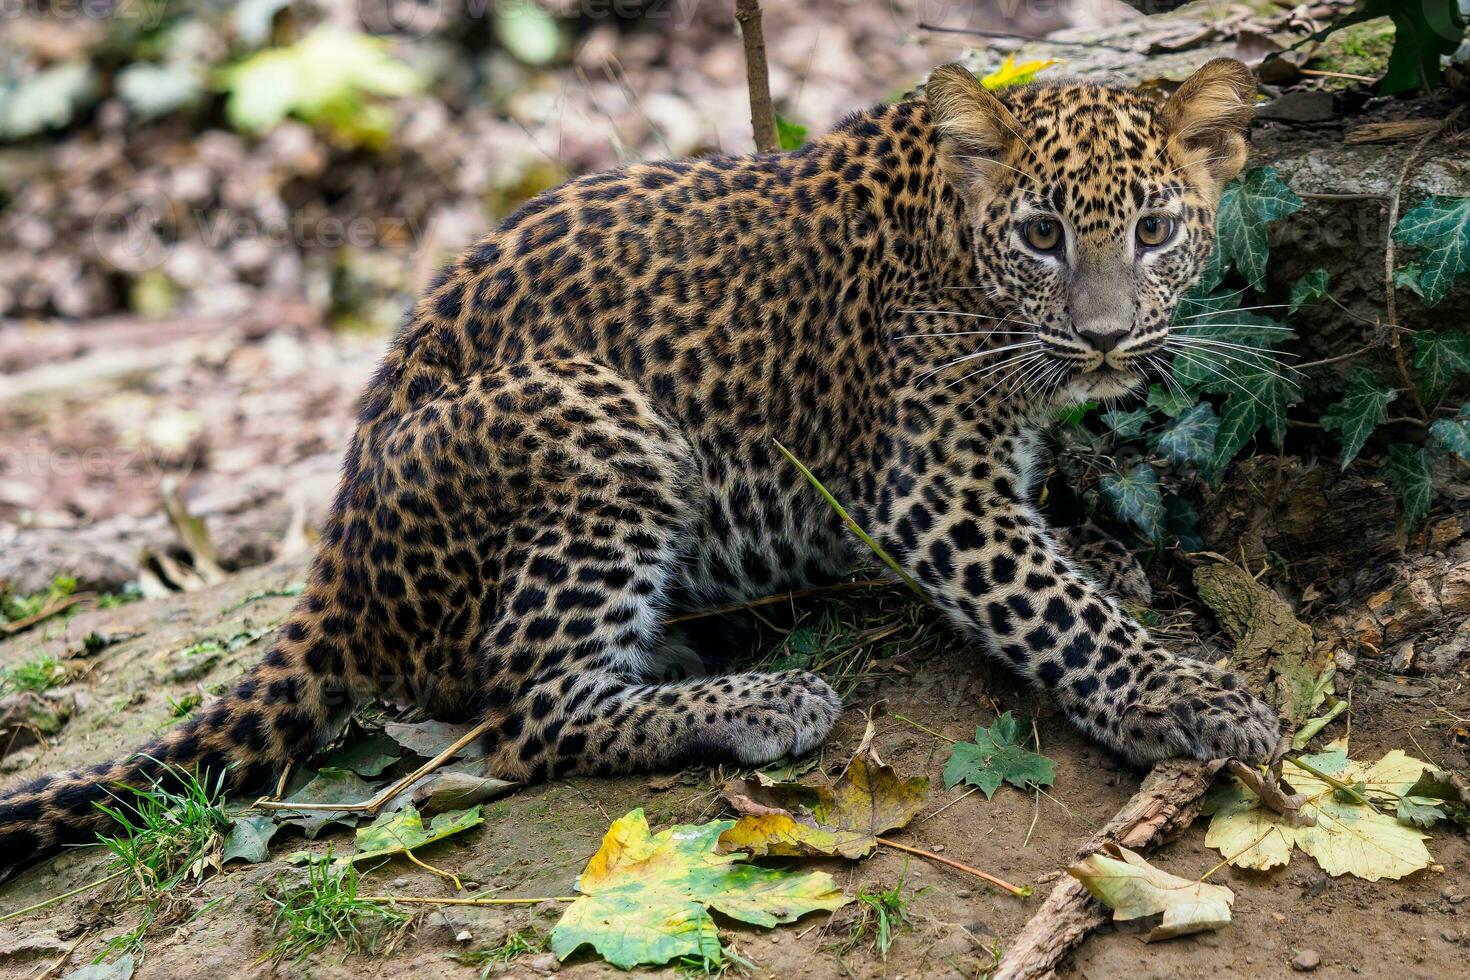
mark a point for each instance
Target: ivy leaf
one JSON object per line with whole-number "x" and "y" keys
{"x": 1408, "y": 469}
{"x": 789, "y": 135}
{"x": 1191, "y": 439}
{"x": 1439, "y": 357}
{"x": 1249, "y": 203}
{"x": 1363, "y": 408}
{"x": 1407, "y": 277}
{"x": 996, "y": 757}
{"x": 1182, "y": 521}
{"x": 646, "y": 897}
{"x": 395, "y": 833}
{"x": 1452, "y": 435}
{"x": 1135, "y": 498}
{"x": 1170, "y": 400}
{"x": 1308, "y": 289}
{"x": 1126, "y": 425}
{"x": 1258, "y": 397}
{"x": 1419, "y": 811}
{"x": 1440, "y": 229}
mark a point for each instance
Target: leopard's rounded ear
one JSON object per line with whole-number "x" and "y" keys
{"x": 974, "y": 127}
{"x": 1207, "y": 117}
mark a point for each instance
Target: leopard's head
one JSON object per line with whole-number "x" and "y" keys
{"x": 1093, "y": 208}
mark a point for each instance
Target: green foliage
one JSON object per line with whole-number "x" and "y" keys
{"x": 15, "y": 606}
{"x": 326, "y": 910}
{"x": 1424, "y": 32}
{"x": 1249, "y": 203}
{"x": 1440, "y": 228}
{"x": 165, "y": 832}
{"x": 332, "y": 78}
{"x": 1409, "y": 469}
{"x": 1439, "y": 358}
{"x": 1126, "y": 424}
{"x": 39, "y": 674}
{"x": 1191, "y": 436}
{"x": 1308, "y": 289}
{"x": 1363, "y": 408}
{"x": 998, "y": 756}
{"x": 1135, "y": 497}
{"x": 882, "y": 914}
{"x": 1452, "y": 435}
{"x": 790, "y": 135}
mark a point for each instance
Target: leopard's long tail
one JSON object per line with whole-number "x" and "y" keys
{"x": 281, "y": 710}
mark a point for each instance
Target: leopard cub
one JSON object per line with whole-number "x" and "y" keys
{"x": 572, "y": 437}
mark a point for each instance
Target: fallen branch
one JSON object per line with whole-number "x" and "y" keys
{"x": 1164, "y": 806}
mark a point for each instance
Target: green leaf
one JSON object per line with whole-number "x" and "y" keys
{"x": 1126, "y": 425}
{"x": 327, "y": 79}
{"x": 1408, "y": 469}
{"x": 1191, "y": 438}
{"x": 646, "y": 897}
{"x": 1182, "y": 521}
{"x": 1419, "y": 811}
{"x": 529, "y": 32}
{"x": 996, "y": 757}
{"x": 46, "y": 100}
{"x": 1407, "y": 277}
{"x": 1168, "y": 400}
{"x": 789, "y": 135}
{"x": 1439, "y": 357}
{"x": 1072, "y": 415}
{"x": 1308, "y": 289}
{"x": 1134, "y": 496}
{"x": 1452, "y": 435}
{"x": 1440, "y": 229}
{"x": 1249, "y": 203}
{"x": 1363, "y": 408}
{"x": 1258, "y": 395}
{"x": 394, "y": 833}
{"x": 1424, "y": 32}
{"x": 249, "y": 839}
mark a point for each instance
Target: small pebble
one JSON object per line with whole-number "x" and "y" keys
{"x": 962, "y": 893}
{"x": 399, "y": 882}
{"x": 463, "y": 936}
{"x": 546, "y": 963}
{"x": 1306, "y": 960}
{"x": 938, "y": 848}
{"x": 1449, "y": 935}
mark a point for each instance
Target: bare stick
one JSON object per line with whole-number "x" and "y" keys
{"x": 1164, "y": 806}
{"x": 1020, "y": 891}
{"x": 757, "y": 76}
{"x": 374, "y": 804}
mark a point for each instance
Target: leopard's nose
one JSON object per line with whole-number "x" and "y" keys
{"x": 1099, "y": 341}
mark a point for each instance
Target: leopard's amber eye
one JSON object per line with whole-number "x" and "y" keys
{"x": 1042, "y": 234}
{"x": 1154, "y": 230}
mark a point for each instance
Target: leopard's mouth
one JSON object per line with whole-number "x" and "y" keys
{"x": 1101, "y": 382}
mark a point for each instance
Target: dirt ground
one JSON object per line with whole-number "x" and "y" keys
{"x": 536, "y": 840}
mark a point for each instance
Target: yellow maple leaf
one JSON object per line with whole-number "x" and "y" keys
{"x": 1009, "y": 73}
{"x": 1350, "y": 837}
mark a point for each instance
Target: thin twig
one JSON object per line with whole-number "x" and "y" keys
{"x": 757, "y": 76}
{"x": 1020, "y": 891}
{"x": 1013, "y": 36}
{"x": 64, "y": 895}
{"x": 416, "y": 900}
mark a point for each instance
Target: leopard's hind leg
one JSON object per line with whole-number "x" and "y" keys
{"x": 564, "y": 663}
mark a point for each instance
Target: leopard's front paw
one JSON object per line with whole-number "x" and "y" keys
{"x": 1200, "y": 711}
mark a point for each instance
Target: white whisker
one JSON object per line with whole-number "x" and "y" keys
{"x": 978, "y": 316}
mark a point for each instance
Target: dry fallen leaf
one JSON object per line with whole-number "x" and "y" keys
{"x": 845, "y": 819}
{"x": 1349, "y": 837}
{"x": 1135, "y": 889}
